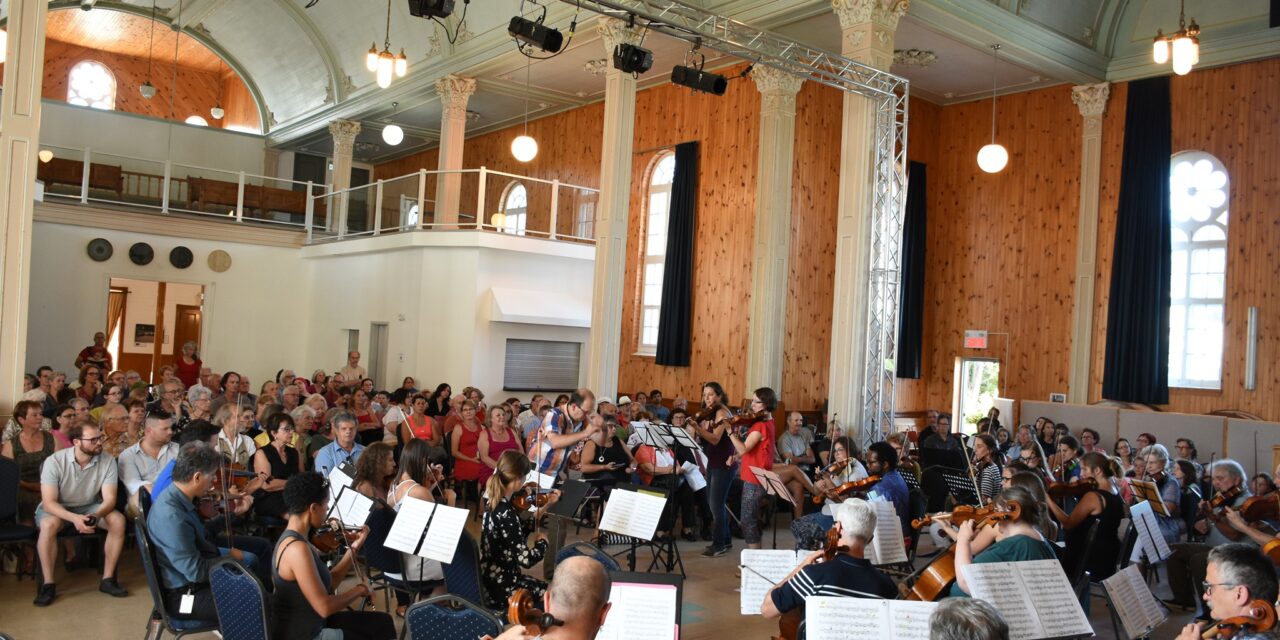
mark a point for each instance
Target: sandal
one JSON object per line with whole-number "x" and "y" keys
{"x": 400, "y": 611}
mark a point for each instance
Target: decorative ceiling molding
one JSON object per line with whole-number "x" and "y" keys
{"x": 195, "y": 11}
{"x": 596, "y": 67}
{"x": 331, "y": 64}
{"x": 914, "y": 57}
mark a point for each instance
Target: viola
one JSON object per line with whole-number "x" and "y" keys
{"x": 1261, "y": 617}
{"x": 1213, "y": 508}
{"x": 853, "y": 486}
{"x": 329, "y": 538}
{"x": 1263, "y": 507}
{"x": 522, "y": 610}
{"x": 789, "y": 623}
{"x": 937, "y": 576}
{"x": 233, "y": 475}
{"x": 530, "y": 496}
{"x": 1066, "y": 489}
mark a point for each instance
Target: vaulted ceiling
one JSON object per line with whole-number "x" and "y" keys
{"x": 305, "y": 65}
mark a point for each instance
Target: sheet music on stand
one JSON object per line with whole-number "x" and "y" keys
{"x": 633, "y": 513}
{"x": 1034, "y": 597}
{"x": 1151, "y": 542}
{"x": 343, "y": 475}
{"x": 427, "y": 529}
{"x": 835, "y": 618}
{"x": 772, "y": 483}
{"x": 643, "y": 606}
{"x": 1132, "y": 604}
{"x": 350, "y": 507}
{"x": 887, "y": 546}
{"x": 1147, "y": 491}
{"x": 761, "y": 570}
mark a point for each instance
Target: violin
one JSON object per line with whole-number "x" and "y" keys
{"x": 531, "y": 496}
{"x": 1213, "y": 508}
{"x": 937, "y": 576}
{"x": 1261, "y": 617}
{"x": 1263, "y": 507}
{"x": 1157, "y": 477}
{"x": 329, "y": 538}
{"x": 853, "y": 486}
{"x": 212, "y": 506}
{"x": 789, "y": 623}
{"x": 522, "y": 610}
{"x": 834, "y": 468}
{"x": 233, "y": 475}
{"x": 833, "y": 545}
{"x": 962, "y": 513}
{"x": 1067, "y": 489}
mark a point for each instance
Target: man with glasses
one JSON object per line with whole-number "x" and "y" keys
{"x": 170, "y": 402}
{"x": 1188, "y": 564}
{"x": 78, "y": 489}
{"x": 95, "y": 354}
{"x": 1236, "y": 576}
{"x": 942, "y": 437}
{"x": 141, "y": 463}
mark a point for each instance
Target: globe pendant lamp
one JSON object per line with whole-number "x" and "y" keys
{"x": 524, "y": 147}
{"x": 147, "y": 89}
{"x": 392, "y": 134}
{"x": 992, "y": 158}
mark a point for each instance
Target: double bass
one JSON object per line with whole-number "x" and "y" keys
{"x": 936, "y": 578}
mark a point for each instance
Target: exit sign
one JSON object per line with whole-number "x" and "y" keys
{"x": 975, "y": 339}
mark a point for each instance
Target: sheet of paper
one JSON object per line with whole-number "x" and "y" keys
{"x": 339, "y": 478}
{"x": 632, "y": 514}
{"x": 831, "y": 618}
{"x": 1000, "y": 584}
{"x": 544, "y": 481}
{"x": 443, "y": 533}
{"x": 1156, "y": 614}
{"x": 1150, "y": 541}
{"x": 1055, "y": 601}
{"x": 640, "y": 611}
{"x": 351, "y": 508}
{"x": 406, "y": 532}
{"x": 1124, "y": 602}
{"x": 693, "y": 476}
{"x": 1148, "y": 491}
{"x": 684, "y": 439}
{"x": 761, "y": 570}
{"x": 887, "y": 545}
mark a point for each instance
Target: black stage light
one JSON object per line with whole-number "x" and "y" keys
{"x": 536, "y": 34}
{"x": 431, "y": 8}
{"x": 699, "y": 80}
{"x": 628, "y": 58}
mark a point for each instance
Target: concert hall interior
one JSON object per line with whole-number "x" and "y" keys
{"x": 639, "y": 319}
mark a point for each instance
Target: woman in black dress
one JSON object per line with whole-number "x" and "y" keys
{"x": 275, "y": 464}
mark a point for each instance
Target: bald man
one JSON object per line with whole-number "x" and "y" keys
{"x": 578, "y": 599}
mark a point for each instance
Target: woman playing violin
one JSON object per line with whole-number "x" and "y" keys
{"x": 1033, "y": 457}
{"x": 1066, "y": 467}
{"x": 754, "y": 448}
{"x": 811, "y": 530}
{"x": 1240, "y": 583}
{"x": 986, "y": 465}
{"x": 504, "y": 548}
{"x": 721, "y": 465}
{"x": 1015, "y": 539}
{"x": 1101, "y": 505}
{"x": 420, "y": 479}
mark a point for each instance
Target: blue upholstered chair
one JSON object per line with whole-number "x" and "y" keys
{"x": 159, "y": 609}
{"x": 240, "y": 600}
{"x": 449, "y": 617}
{"x": 589, "y": 550}
{"x": 462, "y": 575}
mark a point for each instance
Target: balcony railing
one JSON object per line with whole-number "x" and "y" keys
{"x": 548, "y": 209}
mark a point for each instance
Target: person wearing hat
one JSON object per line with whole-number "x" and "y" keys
{"x": 624, "y": 417}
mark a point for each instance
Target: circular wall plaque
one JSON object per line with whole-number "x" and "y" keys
{"x": 180, "y": 257}
{"x": 100, "y": 250}
{"x": 219, "y": 260}
{"x": 141, "y": 253}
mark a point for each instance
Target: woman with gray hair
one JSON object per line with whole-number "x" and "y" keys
{"x": 967, "y": 619}
{"x": 1153, "y": 461}
{"x": 200, "y": 400}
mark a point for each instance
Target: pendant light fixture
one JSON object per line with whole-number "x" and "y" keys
{"x": 385, "y": 65}
{"x": 524, "y": 147}
{"x": 147, "y": 89}
{"x": 1184, "y": 45}
{"x": 392, "y": 134}
{"x": 992, "y": 158}
{"x": 217, "y": 111}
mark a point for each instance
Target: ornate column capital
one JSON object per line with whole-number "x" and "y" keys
{"x": 344, "y": 133}
{"x": 777, "y": 89}
{"x": 454, "y": 93}
{"x": 1091, "y": 99}
{"x": 614, "y": 32}
{"x": 883, "y": 12}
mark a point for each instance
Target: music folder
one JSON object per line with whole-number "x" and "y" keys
{"x": 572, "y": 493}
{"x": 427, "y": 529}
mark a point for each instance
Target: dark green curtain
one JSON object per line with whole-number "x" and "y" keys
{"x": 1137, "y": 354}
{"x": 676, "y": 317}
{"x": 911, "y": 305}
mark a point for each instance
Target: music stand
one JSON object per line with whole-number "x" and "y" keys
{"x": 671, "y": 438}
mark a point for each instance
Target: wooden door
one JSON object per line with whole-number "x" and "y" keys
{"x": 186, "y": 327}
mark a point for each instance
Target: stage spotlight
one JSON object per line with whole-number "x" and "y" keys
{"x": 699, "y": 80}
{"x": 431, "y": 8}
{"x": 628, "y": 58}
{"x": 536, "y": 34}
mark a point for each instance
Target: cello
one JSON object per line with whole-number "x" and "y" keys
{"x": 937, "y": 576}
{"x": 522, "y": 610}
{"x": 789, "y": 623}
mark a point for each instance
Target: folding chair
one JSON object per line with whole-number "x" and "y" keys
{"x": 449, "y": 617}
{"x": 240, "y": 600}
{"x": 160, "y": 611}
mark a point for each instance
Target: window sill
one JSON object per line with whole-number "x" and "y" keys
{"x": 1201, "y": 389}
{"x": 645, "y": 354}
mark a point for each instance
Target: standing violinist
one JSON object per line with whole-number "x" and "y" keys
{"x": 1188, "y": 564}
{"x": 1017, "y": 539}
{"x": 1237, "y": 575}
{"x": 1067, "y": 467}
{"x": 711, "y": 425}
{"x": 754, "y": 448}
{"x": 1100, "y": 505}
{"x": 845, "y": 574}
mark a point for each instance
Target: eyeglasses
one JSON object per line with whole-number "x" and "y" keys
{"x": 1209, "y": 586}
{"x": 92, "y": 440}
{"x": 91, "y": 373}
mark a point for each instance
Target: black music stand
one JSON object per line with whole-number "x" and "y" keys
{"x": 663, "y": 436}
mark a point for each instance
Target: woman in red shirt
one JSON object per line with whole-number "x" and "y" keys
{"x": 368, "y": 425}
{"x": 188, "y": 364}
{"x": 464, "y": 441}
{"x": 754, "y": 447}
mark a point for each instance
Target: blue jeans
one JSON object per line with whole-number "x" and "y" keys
{"x": 718, "y": 483}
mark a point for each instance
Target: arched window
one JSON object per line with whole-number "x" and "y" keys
{"x": 655, "y": 249}
{"x": 1198, "y": 188}
{"x": 515, "y": 210}
{"x": 90, "y": 84}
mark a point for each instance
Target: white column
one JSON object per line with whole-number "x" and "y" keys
{"x": 19, "y": 142}
{"x": 769, "y": 272}
{"x": 867, "y": 28}
{"x": 1092, "y": 101}
{"x": 454, "y": 92}
{"x": 601, "y": 374}
{"x": 344, "y": 134}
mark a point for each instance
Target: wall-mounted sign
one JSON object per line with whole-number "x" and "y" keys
{"x": 975, "y": 339}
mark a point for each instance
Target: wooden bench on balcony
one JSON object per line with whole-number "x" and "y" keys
{"x": 205, "y": 193}
{"x": 64, "y": 171}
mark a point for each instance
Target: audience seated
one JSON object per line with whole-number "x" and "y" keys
{"x": 344, "y": 449}
{"x": 142, "y": 462}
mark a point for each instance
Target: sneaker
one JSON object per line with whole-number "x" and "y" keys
{"x": 720, "y": 551}
{"x": 710, "y": 551}
{"x": 46, "y": 594}
{"x": 112, "y": 588}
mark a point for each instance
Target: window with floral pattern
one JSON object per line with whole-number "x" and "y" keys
{"x": 90, "y": 84}
{"x": 1199, "y": 189}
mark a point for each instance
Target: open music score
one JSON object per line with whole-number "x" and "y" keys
{"x": 887, "y": 546}
{"x": 761, "y": 570}
{"x": 343, "y": 475}
{"x": 1133, "y": 604}
{"x": 832, "y": 618}
{"x": 632, "y": 513}
{"x": 642, "y": 611}
{"x": 1150, "y": 541}
{"x": 1147, "y": 491}
{"x": 1034, "y": 597}
{"x": 427, "y": 529}
{"x": 350, "y": 507}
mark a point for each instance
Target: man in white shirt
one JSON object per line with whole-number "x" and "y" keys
{"x": 353, "y": 371}
{"x": 142, "y": 462}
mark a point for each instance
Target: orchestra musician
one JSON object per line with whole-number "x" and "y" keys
{"x": 1100, "y": 505}
{"x": 967, "y": 619}
{"x": 1015, "y": 539}
{"x": 1153, "y": 462}
{"x": 711, "y": 425}
{"x": 754, "y": 448}
{"x": 847, "y": 574}
{"x": 1236, "y": 575}
{"x": 1033, "y": 457}
{"x": 811, "y": 530}
{"x": 1188, "y": 564}
{"x": 577, "y": 600}
{"x": 1066, "y": 467}
{"x": 986, "y": 465}
{"x": 907, "y": 464}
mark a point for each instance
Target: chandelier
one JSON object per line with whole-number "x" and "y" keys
{"x": 384, "y": 64}
{"x": 1184, "y": 44}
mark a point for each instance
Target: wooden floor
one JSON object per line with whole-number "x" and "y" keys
{"x": 710, "y": 602}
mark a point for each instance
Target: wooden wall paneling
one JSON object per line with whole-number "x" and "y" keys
{"x": 241, "y": 110}
{"x": 128, "y": 34}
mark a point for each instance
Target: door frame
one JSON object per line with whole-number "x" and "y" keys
{"x": 206, "y": 305}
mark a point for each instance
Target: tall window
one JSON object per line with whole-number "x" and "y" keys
{"x": 655, "y": 250}
{"x": 1198, "y": 201}
{"x": 515, "y": 209}
{"x": 91, "y": 85}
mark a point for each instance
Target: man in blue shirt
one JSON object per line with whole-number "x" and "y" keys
{"x": 343, "y": 449}
{"x": 882, "y": 460}
{"x": 183, "y": 547}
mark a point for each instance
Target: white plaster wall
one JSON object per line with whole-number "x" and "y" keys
{"x": 254, "y": 313}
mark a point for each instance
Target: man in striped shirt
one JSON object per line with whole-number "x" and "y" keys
{"x": 848, "y": 574}
{"x": 561, "y": 431}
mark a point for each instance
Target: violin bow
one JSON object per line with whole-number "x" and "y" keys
{"x": 968, "y": 457}
{"x": 355, "y": 561}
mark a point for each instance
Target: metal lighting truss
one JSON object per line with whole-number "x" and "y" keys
{"x": 889, "y": 94}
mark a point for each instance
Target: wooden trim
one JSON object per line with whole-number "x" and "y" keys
{"x": 157, "y": 347}
{"x": 175, "y": 225}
